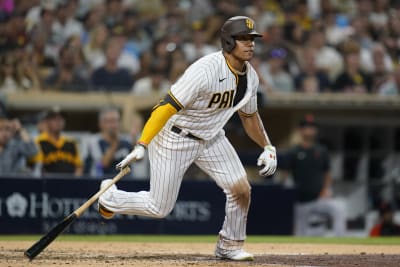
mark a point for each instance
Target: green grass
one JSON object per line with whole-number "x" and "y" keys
{"x": 210, "y": 239}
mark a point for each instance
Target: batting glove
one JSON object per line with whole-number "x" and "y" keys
{"x": 136, "y": 154}
{"x": 267, "y": 158}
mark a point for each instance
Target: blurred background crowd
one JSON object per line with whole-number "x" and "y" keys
{"x": 143, "y": 46}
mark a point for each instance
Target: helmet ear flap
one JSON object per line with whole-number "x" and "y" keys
{"x": 228, "y": 42}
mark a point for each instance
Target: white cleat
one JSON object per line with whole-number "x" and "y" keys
{"x": 234, "y": 255}
{"x": 104, "y": 212}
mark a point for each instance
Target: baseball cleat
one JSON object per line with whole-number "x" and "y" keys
{"x": 104, "y": 212}
{"x": 234, "y": 255}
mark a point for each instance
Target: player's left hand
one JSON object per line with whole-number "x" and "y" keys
{"x": 268, "y": 159}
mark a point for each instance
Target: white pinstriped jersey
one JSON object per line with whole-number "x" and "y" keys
{"x": 206, "y": 92}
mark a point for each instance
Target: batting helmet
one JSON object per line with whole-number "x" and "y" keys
{"x": 235, "y": 26}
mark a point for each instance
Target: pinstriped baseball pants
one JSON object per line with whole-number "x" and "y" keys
{"x": 170, "y": 156}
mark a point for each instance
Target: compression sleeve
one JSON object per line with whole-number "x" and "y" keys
{"x": 159, "y": 117}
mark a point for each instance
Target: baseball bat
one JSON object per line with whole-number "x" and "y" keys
{"x": 40, "y": 245}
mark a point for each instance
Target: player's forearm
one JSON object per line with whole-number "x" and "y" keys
{"x": 156, "y": 122}
{"x": 255, "y": 129}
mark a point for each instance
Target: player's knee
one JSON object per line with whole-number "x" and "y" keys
{"x": 160, "y": 215}
{"x": 161, "y": 212}
{"x": 241, "y": 192}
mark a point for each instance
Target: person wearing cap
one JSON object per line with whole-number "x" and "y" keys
{"x": 57, "y": 153}
{"x": 186, "y": 127}
{"x": 16, "y": 145}
{"x": 274, "y": 73}
{"x": 386, "y": 225}
{"x": 308, "y": 165}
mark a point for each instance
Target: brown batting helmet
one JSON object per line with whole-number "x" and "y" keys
{"x": 235, "y": 26}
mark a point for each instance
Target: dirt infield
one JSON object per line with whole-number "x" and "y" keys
{"x": 108, "y": 254}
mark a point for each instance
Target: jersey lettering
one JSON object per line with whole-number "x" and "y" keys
{"x": 223, "y": 100}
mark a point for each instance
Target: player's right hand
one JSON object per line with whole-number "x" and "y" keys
{"x": 136, "y": 154}
{"x": 268, "y": 159}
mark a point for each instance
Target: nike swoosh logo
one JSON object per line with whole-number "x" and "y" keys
{"x": 220, "y": 80}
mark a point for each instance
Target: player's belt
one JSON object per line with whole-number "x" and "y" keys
{"x": 182, "y": 133}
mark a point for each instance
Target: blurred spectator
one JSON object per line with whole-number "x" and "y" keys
{"x": 155, "y": 83}
{"x": 376, "y": 59}
{"x": 311, "y": 79}
{"x": 67, "y": 77}
{"x": 197, "y": 46}
{"x": 301, "y": 16}
{"x": 391, "y": 86}
{"x": 157, "y": 56}
{"x": 125, "y": 58}
{"x": 17, "y": 73}
{"x": 114, "y": 13}
{"x": 200, "y": 10}
{"x": 137, "y": 39}
{"x": 328, "y": 58}
{"x": 81, "y": 66}
{"x": 43, "y": 53}
{"x": 108, "y": 147}
{"x": 66, "y": 25}
{"x": 386, "y": 225}
{"x": 15, "y": 147}
{"x": 94, "y": 49}
{"x": 57, "y": 153}
{"x": 391, "y": 38}
{"x": 93, "y": 18}
{"x": 8, "y": 74}
{"x": 308, "y": 164}
{"x": 337, "y": 28}
{"x": 297, "y": 36}
{"x": 45, "y": 18}
{"x": 274, "y": 72}
{"x": 361, "y": 33}
{"x": 379, "y": 16}
{"x": 111, "y": 77}
{"x": 42, "y": 15}
{"x": 13, "y": 32}
{"x": 27, "y": 73}
{"x": 275, "y": 39}
{"x": 352, "y": 79}
{"x": 177, "y": 64}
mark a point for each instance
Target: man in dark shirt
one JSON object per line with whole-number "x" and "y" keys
{"x": 110, "y": 77}
{"x": 66, "y": 76}
{"x": 108, "y": 147}
{"x": 352, "y": 79}
{"x": 308, "y": 164}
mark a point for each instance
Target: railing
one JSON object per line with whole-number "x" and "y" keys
{"x": 129, "y": 103}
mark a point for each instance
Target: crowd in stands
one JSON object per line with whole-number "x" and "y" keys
{"x": 50, "y": 152}
{"x": 142, "y": 47}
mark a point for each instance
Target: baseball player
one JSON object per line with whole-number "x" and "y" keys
{"x": 187, "y": 127}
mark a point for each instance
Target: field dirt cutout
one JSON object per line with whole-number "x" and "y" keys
{"x": 108, "y": 254}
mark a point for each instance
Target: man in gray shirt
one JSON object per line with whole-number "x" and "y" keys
{"x": 15, "y": 146}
